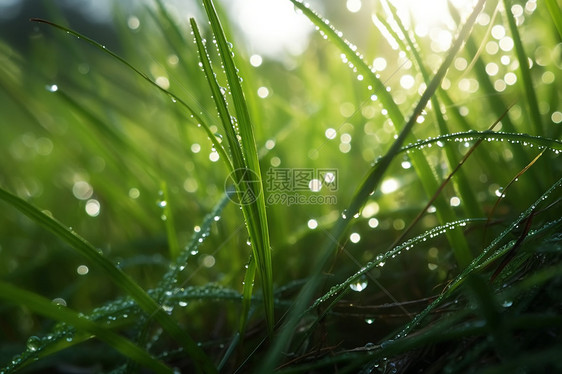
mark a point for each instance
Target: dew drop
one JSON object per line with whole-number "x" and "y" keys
{"x": 507, "y": 303}
{"x": 360, "y": 284}
{"x": 33, "y": 343}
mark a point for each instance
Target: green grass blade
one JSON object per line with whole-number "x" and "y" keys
{"x": 238, "y": 159}
{"x": 491, "y": 136}
{"x": 247, "y": 294}
{"x": 460, "y": 183}
{"x": 121, "y": 279}
{"x": 220, "y": 102}
{"x": 525, "y": 70}
{"x": 496, "y": 102}
{"x": 425, "y": 173}
{"x": 553, "y": 7}
{"x": 255, "y": 213}
{"x": 47, "y": 308}
{"x": 365, "y": 189}
{"x": 482, "y": 257}
{"x": 375, "y": 176}
{"x": 350, "y": 51}
{"x": 168, "y": 218}
{"x": 196, "y": 116}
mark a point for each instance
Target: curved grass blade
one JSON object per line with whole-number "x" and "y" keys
{"x": 365, "y": 189}
{"x": 496, "y": 102}
{"x": 247, "y": 294}
{"x": 337, "y": 292}
{"x": 514, "y": 138}
{"x": 254, "y": 213}
{"x": 502, "y": 195}
{"x": 121, "y": 279}
{"x": 424, "y": 171}
{"x": 478, "y": 260}
{"x": 455, "y": 170}
{"x": 47, "y": 308}
{"x": 196, "y": 117}
{"x": 168, "y": 218}
{"x": 220, "y": 102}
{"x": 556, "y": 14}
{"x": 242, "y": 188}
{"x": 525, "y": 70}
{"x": 461, "y": 183}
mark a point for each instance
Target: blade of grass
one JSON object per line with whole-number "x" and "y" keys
{"x": 255, "y": 213}
{"x": 424, "y": 171}
{"x": 515, "y": 138}
{"x": 47, "y": 308}
{"x": 494, "y": 98}
{"x": 502, "y": 195}
{"x": 121, "y": 279}
{"x": 196, "y": 116}
{"x": 364, "y": 191}
{"x": 168, "y": 218}
{"x": 242, "y": 188}
{"x": 478, "y": 260}
{"x": 247, "y": 294}
{"x": 456, "y": 169}
{"x": 525, "y": 71}
{"x": 556, "y": 14}
{"x": 461, "y": 182}
{"x": 337, "y": 292}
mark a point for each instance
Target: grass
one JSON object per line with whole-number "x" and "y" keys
{"x": 426, "y": 237}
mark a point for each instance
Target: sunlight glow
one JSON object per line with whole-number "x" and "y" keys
{"x": 389, "y": 185}
{"x": 272, "y": 26}
{"x": 353, "y": 5}
{"x": 432, "y": 18}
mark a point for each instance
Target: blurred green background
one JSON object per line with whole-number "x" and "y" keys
{"x": 84, "y": 138}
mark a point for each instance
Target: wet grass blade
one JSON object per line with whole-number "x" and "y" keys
{"x": 553, "y": 7}
{"x": 525, "y": 71}
{"x": 47, "y": 308}
{"x": 247, "y": 294}
{"x": 506, "y": 188}
{"x": 482, "y": 257}
{"x": 173, "y": 245}
{"x": 121, "y": 279}
{"x": 460, "y": 183}
{"x": 242, "y": 188}
{"x": 514, "y": 138}
{"x": 425, "y": 173}
{"x": 254, "y": 213}
{"x": 364, "y": 191}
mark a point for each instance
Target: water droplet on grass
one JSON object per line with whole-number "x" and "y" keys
{"x": 33, "y": 343}
{"x": 360, "y": 284}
